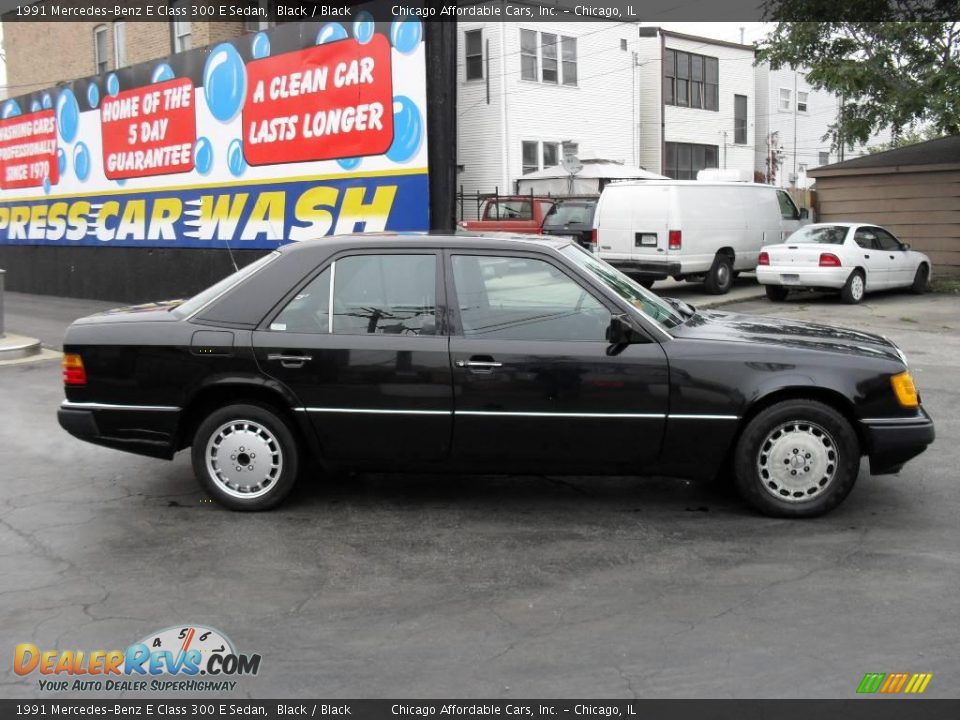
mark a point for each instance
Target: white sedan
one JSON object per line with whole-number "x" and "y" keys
{"x": 853, "y": 258}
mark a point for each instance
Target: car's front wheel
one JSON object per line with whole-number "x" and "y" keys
{"x": 245, "y": 456}
{"x": 797, "y": 458}
{"x": 921, "y": 280}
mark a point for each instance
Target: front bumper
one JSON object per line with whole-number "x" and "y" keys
{"x": 891, "y": 442}
{"x": 144, "y": 430}
{"x": 803, "y": 276}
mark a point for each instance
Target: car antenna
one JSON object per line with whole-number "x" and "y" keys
{"x": 230, "y": 250}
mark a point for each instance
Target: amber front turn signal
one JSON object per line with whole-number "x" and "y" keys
{"x": 905, "y": 390}
{"x": 73, "y": 370}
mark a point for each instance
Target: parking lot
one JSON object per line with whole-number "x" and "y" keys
{"x": 438, "y": 586}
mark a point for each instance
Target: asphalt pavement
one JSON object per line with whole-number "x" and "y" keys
{"x": 506, "y": 587}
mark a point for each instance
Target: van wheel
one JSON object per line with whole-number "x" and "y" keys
{"x": 797, "y": 458}
{"x": 776, "y": 293}
{"x": 720, "y": 276}
{"x": 921, "y": 280}
{"x": 646, "y": 283}
{"x": 245, "y": 456}
{"x": 852, "y": 292}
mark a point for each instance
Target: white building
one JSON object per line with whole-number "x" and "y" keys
{"x": 792, "y": 120}
{"x": 531, "y": 91}
{"x": 697, "y": 104}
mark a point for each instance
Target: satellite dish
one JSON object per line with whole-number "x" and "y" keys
{"x": 571, "y": 164}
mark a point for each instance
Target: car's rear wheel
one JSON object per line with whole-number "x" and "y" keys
{"x": 797, "y": 458}
{"x": 245, "y": 456}
{"x": 921, "y": 280}
{"x": 720, "y": 276}
{"x": 776, "y": 293}
{"x": 853, "y": 290}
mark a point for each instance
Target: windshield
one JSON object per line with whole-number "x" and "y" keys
{"x": 198, "y": 301}
{"x": 821, "y": 234}
{"x": 568, "y": 213}
{"x": 644, "y": 300}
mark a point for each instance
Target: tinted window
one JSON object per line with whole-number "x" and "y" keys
{"x": 826, "y": 234}
{"x": 886, "y": 240}
{"x": 866, "y": 238}
{"x": 524, "y": 299}
{"x": 385, "y": 294}
{"x": 198, "y": 301}
{"x": 309, "y": 311}
{"x": 570, "y": 212}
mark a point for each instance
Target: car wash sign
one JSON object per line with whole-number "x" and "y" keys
{"x": 306, "y": 130}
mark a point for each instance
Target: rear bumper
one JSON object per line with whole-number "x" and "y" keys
{"x": 803, "y": 276}
{"x": 891, "y": 442}
{"x": 143, "y": 430}
{"x": 646, "y": 269}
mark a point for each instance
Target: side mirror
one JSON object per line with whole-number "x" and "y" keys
{"x": 621, "y": 331}
{"x": 804, "y": 213}
{"x": 904, "y": 246}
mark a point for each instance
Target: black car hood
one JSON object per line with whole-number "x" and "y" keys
{"x": 147, "y": 312}
{"x": 712, "y": 325}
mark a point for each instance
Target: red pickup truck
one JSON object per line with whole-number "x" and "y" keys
{"x": 512, "y": 213}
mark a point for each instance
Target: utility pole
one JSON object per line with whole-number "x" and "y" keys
{"x": 441, "y": 56}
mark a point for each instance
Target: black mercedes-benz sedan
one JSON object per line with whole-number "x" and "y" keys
{"x": 490, "y": 355}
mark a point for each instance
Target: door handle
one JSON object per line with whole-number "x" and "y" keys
{"x": 290, "y": 361}
{"x": 480, "y": 363}
{"x": 892, "y": 257}
{"x": 867, "y": 257}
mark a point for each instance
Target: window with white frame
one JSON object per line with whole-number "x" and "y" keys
{"x": 786, "y": 99}
{"x": 473, "y": 54}
{"x": 119, "y": 44}
{"x": 101, "y": 60}
{"x": 530, "y": 155}
{"x": 551, "y": 154}
{"x": 802, "y": 101}
{"x": 571, "y": 149}
{"x": 528, "y": 55}
{"x": 825, "y": 158}
{"x": 551, "y": 58}
{"x": 691, "y": 80}
{"x": 740, "y": 119}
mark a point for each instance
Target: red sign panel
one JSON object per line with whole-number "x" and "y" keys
{"x": 326, "y": 102}
{"x": 28, "y": 150}
{"x": 149, "y": 130}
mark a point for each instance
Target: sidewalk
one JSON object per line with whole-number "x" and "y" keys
{"x": 46, "y": 317}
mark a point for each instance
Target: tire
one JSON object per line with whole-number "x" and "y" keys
{"x": 796, "y": 459}
{"x": 921, "y": 281}
{"x": 854, "y": 289}
{"x": 260, "y": 442}
{"x": 719, "y": 278}
{"x": 776, "y": 293}
{"x": 646, "y": 283}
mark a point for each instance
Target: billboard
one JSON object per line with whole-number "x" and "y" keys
{"x": 300, "y": 131}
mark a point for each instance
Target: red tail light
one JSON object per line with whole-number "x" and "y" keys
{"x": 73, "y": 371}
{"x": 675, "y": 240}
{"x": 594, "y": 240}
{"x": 829, "y": 260}
{"x": 764, "y": 259}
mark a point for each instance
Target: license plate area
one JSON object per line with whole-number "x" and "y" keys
{"x": 645, "y": 240}
{"x": 789, "y": 279}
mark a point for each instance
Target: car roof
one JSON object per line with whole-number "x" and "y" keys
{"x": 466, "y": 240}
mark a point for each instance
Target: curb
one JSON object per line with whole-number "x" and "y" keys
{"x": 17, "y": 347}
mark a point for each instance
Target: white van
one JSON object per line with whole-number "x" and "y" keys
{"x": 691, "y": 229}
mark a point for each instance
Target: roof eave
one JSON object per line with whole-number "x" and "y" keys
{"x": 881, "y": 170}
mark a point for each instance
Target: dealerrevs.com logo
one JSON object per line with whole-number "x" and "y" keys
{"x": 895, "y": 683}
{"x": 180, "y": 658}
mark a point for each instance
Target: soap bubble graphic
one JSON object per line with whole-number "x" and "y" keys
{"x": 46, "y": 185}
{"x": 34, "y": 106}
{"x": 121, "y": 181}
{"x": 235, "y": 160}
{"x": 203, "y": 155}
{"x": 81, "y": 161}
{"x": 68, "y": 115}
{"x": 46, "y": 101}
{"x": 113, "y": 84}
{"x": 363, "y": 27}
{"x": 224, "y": 82}
{"x": 260, "y": 46}
{"x": 93, "y": 94}
{"x": 61, "y": 160}
{"x": 331, "y": 32}
{"x": 405, "y": 35}
{"x": 407, "y": 130}
{"x": 11, "y": 108}
{"x": 349, "y": 163}
{"x": 161, "y": 73}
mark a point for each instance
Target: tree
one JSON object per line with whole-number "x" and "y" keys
{"x": 888, "y": 74}
{"x": 910, "y": 137}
